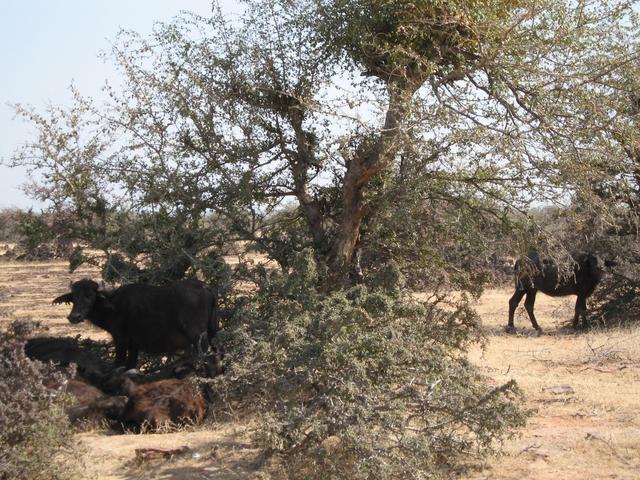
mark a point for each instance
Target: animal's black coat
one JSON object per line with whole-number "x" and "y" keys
{"x": 535, "y": 273}
{"x": 154, "y": 319}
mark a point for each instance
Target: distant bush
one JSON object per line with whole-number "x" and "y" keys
{"x": 8, "y": 225}
{"x": 42, "y": 235}
{"x": 364, "y": 383}
{"x": 33, "y": 426}
{"x": 36, "y": 235}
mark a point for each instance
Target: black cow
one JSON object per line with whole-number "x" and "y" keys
{"x": 154, "y": 319}
{"x": 534, "y": 273}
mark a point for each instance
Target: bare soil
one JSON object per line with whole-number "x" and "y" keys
{"x": 583, "y": 390}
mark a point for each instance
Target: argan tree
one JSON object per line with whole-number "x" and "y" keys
{"x": 326, "y": 104}
{"x": 379, "y": 140}
{"x": 604, "y": 212}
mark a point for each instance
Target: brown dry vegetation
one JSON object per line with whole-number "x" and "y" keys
{"x": 588, "y": 429}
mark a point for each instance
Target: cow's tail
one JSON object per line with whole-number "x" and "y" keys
{"x": 214, "y": 322}
{"x": 214, "y": 363}
{"x": 517, "y": 272}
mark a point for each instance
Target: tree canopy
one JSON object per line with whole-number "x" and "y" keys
{"x": 315, "y": 113}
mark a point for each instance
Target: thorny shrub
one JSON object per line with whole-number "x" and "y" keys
{"x": 364, "y": 383}
{"x": 616, "y": 301}
{"x": 33, "y": 426}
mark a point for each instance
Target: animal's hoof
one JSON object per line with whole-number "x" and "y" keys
{"x": 539, "y": 332}
{"x": 510, "y": 329}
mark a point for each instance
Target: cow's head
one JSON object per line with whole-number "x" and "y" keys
{"x": 83, "y": 295}
{"x": 598, "y": 265}
{"x": 595, "y": 265}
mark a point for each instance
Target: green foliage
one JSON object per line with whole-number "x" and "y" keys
{"x": 33, "y": 425}
{"x": 617, "y": 300}
{"x": 361, "y": 384}
{"x": 33, "y": 231}
{"x": 41, "y": 235}
{"x": 423, "y": 38}
{"x": 439, "y": 233}
{"x": 285, "y": 235}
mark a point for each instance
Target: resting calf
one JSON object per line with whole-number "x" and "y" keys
{"x": 164, "y": 402}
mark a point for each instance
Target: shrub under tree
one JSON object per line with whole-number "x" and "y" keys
{"x": 362, "y": 383}
{"x": 33, "y": 425}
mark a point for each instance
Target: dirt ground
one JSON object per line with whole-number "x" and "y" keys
{"x": 583, "y": 389}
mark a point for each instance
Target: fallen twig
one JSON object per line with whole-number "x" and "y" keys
{"x": 150, "y": 454}
{"x": 533, "y": 446}
{"x": 596, "y": 436}
{"x": 611, "y": 370}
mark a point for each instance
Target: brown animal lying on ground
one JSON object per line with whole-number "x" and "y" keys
{"x": 148, "y": 405}
{"x": 164, "y": 402}
{"x": 92, "y": 406}
{"x": 88, "y": 405}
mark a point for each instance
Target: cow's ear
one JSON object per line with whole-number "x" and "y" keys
{"x": 66, "y": 298}
{"x": 105, "y": 298}
{"x": 102, "y": 294}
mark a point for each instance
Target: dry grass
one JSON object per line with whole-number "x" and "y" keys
{"x": 584, "y": 389}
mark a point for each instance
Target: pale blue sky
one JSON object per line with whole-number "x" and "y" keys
{"x": 47, "y": 44}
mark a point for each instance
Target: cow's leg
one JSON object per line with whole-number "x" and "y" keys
{"x": 581, "y": 311}
{"x": 121, "y": 352}
{"x": 132, "y": 357}
{"x": 198, "y": 338}
{"x": 206, "y": 352}
{"x": 585, "y": 318}
{"x": 529, "y": 302}
{"x": 213, "y": 364}
{"x": 213, "y": 325}
{"x": 513, "y": 304}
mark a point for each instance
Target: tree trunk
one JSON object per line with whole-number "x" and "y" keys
{"x": 368, "y": 161}
{"x": 300, "y": 172}
{"x": 352, "y": 214}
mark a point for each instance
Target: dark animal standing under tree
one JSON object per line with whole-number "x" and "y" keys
{"x": 534, "y": 273}
{"x": 154, "y": 319}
